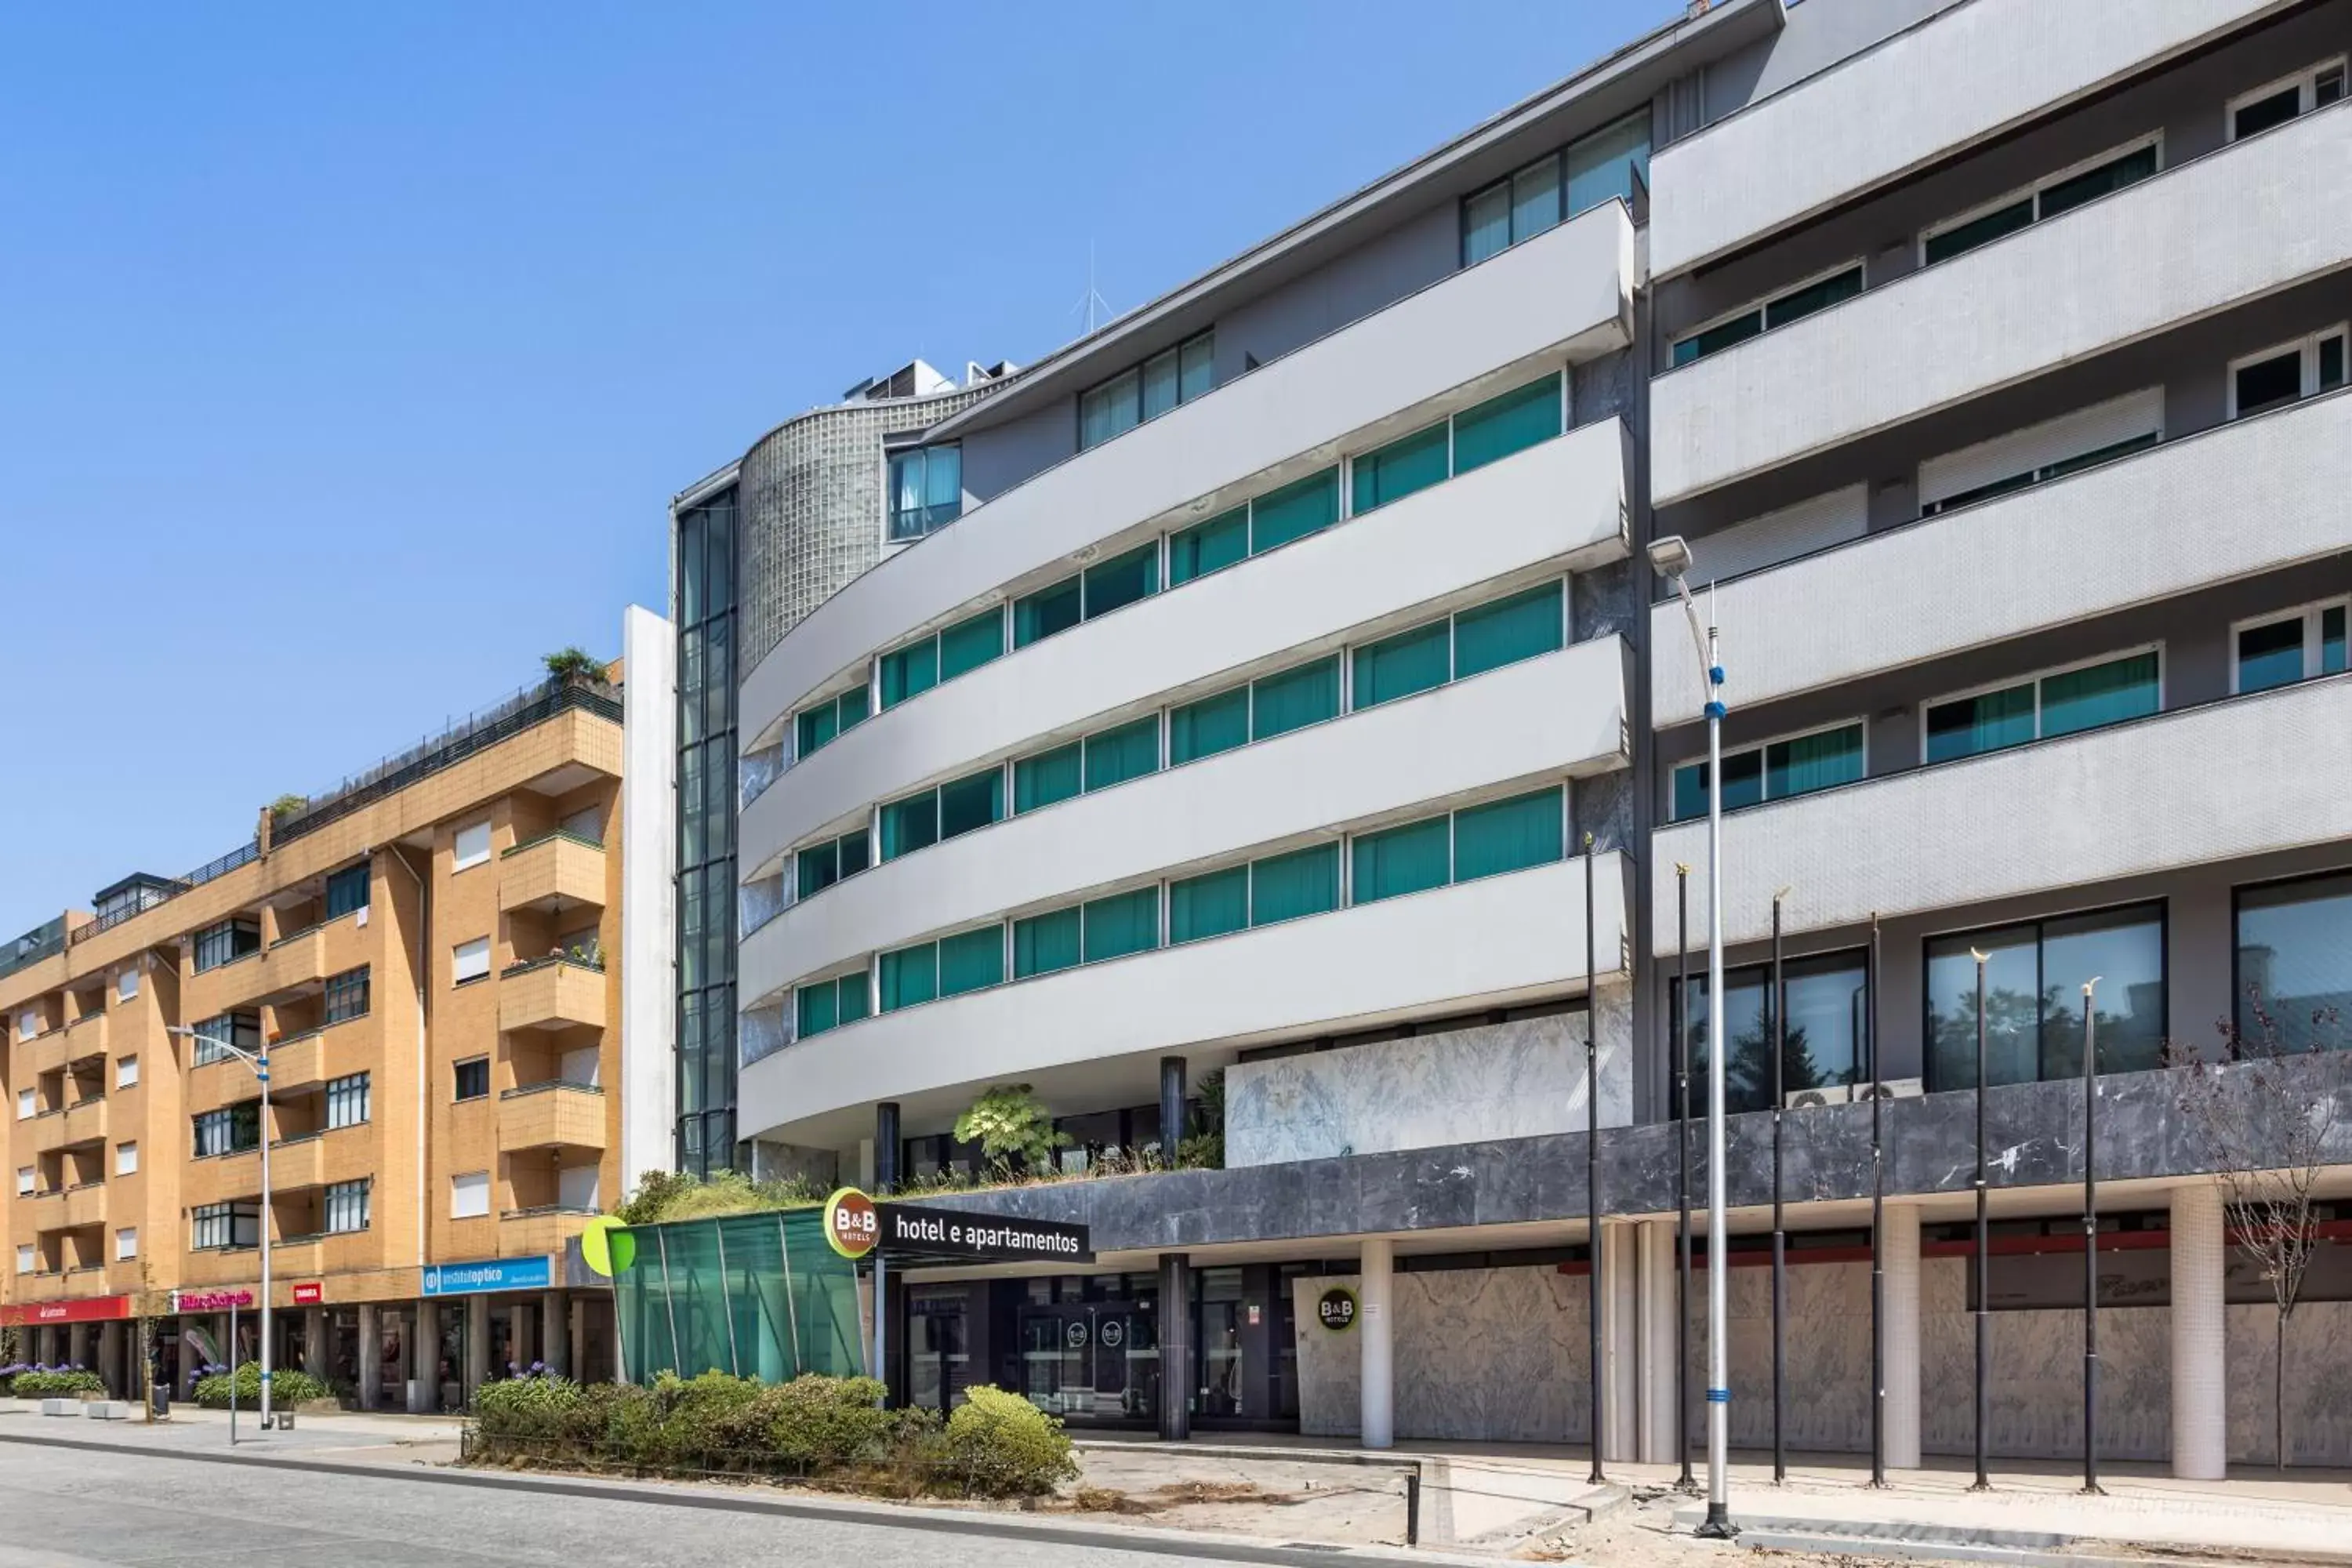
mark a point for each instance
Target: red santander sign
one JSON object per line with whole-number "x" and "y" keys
{"x": 90, "y": 1310}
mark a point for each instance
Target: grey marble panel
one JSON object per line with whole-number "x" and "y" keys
{"x": 2318, "y": 1384}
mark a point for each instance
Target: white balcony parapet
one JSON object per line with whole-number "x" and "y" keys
{"x": 2246, "y": 776}
{"x": 1944, "y": 84}
{"x": 2251, "y": 219}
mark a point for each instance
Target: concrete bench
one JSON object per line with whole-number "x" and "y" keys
{"x": 108, "y": 1409}
{"x": 60, "y": 1406}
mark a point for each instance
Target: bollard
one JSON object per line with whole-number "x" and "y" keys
{"x": 1413, "y": 1506}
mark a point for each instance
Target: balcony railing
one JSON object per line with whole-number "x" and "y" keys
{"x": 524, "y": 966}
{"x": 520, "y": 1090}
{"x": 536, "y": 1210}
{"x": 220, "y": 866}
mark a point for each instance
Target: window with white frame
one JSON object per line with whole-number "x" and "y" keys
{"x": 2046, "y": 198}
{"x": 347, "y": 1206}
{"x": 2288, "y": 372}
{"x": 26, "y": 1104}
{"x": 473, "y": 846}
{"x": 2279, "y": 650}
{"x": 126, "y": 1159}
{"x": 2052, "y": 449}
{"x": 26, "y": 1177}
{"x": 2276, "y": 102}
{"x": 469, "y": 960}
{"x": 347, "y": 1100}
{"x": 1147, "y": 391}
{"x": 1775, "y": 769}
{"x": 126, "y": 1243}
{"x": 469, "y": 1194}
{"x": 25, "y": 1258}
{"x": 126, "y": 1072}
{"x": 216, "y": 1226}
{"x": 1813, "y": 294}
{"x": 2063, "y": 701}
{"x": 28, "y": 1024}
{"x": 126, "y": 986}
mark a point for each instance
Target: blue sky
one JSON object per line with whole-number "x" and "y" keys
{"x": 350, "y": 354}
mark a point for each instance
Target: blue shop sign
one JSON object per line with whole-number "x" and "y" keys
{"x": 496, "y": 1274}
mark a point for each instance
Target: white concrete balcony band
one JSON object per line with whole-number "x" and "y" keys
{"x": 1935, "y": 88}
{"x": 1564, "y": 296}
{"x": 1559, "y": 715}
{"x": 1561, "y": 502}
{"x": 2159, "y": 523}
{"x": 1352, "y": 967}
{"x": 2245, "y": 776}
{"x": 2254, "y": 217}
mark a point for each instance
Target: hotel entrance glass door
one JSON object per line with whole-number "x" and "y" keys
{"x": 1094, "y": 1361}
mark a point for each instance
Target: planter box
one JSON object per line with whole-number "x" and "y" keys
{"x": 107, "y": 1410}
{"x": 60, "y": 1406}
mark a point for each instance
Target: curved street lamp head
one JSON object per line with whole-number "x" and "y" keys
{"x": 1671, "y": 556}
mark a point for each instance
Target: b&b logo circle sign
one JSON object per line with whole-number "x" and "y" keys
{"x": 1336, "y": 1308}
{"x": 850, "y": 1223}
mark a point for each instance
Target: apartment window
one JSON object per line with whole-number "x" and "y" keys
{"x": 347, "y": 1100}
{"x": 473, "y": 846}
{"x": 1522, "y": 418}
{"x": 1152, "y": 388}
{"x": 2295, "y": 962}
{"x": 1295, "y": 699}
{"x": 2085, "y": 696}
{"x": 347, "y": 994}
{"x": 829, "y": 1003}
{"x": 212, "y": 1037}
{"x": 2034, "y": 976}
{"x": 1792, "y": 765}
{"x": 820, "y": 866}
{"x": 958, "y": 807}
{"x": 2287, "y": 374}
{"x": 1097, "y": 591}
{"x": 469, "y": 960}
{"x": 959, "y": 649}
{"x": 926, "y": 491}
{"x": 814, "y": 728}
{"x": 2059, "y": 193}
{"x": 1818, "y": 294}
{"x": 28, "y": 1105}
{"x": 1611, "y": 162}
{"x": 2284, "y": 649}
{"x": 1048, "y": 777}
{"x": 26, "y": 1177}
{"x": 1822, "y": 1046}
{"x": 28, "y": 1024}
{"x": 1288, "y": 886}
{"x": 26, "y": 1258}
{"x": 1129, "y": 751}
{"x": 231, "y": 1130}
{"x": 948, "y": 967}
{"x": 231, "y": 939}
{"x": 2275, "y": 103}
{"x": 347, "y": 891}
{"x": 1296, "y": 510}
{"x": 126, "y": 986}
{"x": 126, "y": 1073}
{"x": 126, "y": 1159}
{"x": 1087, "y": 933}
{"x": 126, "y": 1243}
{"x": 1211, "y": 546}
{"x": 1462, "y": 847}
{"x": 347, "y": 1206}
{"x": 473, "y": 1078}
{"x": 469, "y": 1194}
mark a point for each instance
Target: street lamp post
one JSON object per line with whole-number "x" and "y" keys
{"x": 259, "y": 1062}
{"x": 1671, "y": 557}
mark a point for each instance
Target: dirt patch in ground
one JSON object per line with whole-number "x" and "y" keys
{"x": 1177, "y": 1494}
{"x": 1642, "y": 1535}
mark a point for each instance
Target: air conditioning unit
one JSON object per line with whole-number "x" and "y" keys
{"x": 1806, "y": 1099}
{"x": 1891, "y": 1088}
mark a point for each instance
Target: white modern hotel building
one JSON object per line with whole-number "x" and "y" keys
{"x": 1270, "y": 691}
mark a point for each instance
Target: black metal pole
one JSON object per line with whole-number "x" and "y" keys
{"x": 1593, "y": 1154}
{"x": 1867, "y": 1036}
{"x": 1984, "y": 1256}
{"x": 1681, "y": 1011}
{"x": 2090, "y": 1245}
{"x": 1779, "y": 1039}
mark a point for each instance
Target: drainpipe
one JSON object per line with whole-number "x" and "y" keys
{"x": 423, "y": 952}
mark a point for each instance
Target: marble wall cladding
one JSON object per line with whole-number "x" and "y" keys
{"x": 1827, "y": 1365}
{"x": 2318, "y": 1384}
{"x": 1514, "y": 1079}
{"x": 1497, "y": 1355}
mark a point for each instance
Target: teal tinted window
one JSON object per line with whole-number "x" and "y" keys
{"x": 1308, "y": 695}
{"x": 1520, "y": 626}
{"x": 1396, "y": 470}
{"x": 1132, "y": 576}
{"x": 851, "y": 710}
{"x": 853, "y": 997}
{"x": 1212, "y": 724}
{"x": 1046, "y": 612}
{"x": 910, "y": 976}
{"x": 1968, "y": 725}
{"x": 1208, "y": 906}
{"x": 854, "y": 853}
{"x": 1502, "y": 425}
{"x": 973, "y": 961}
{"x": 1127, "y": 753}
{"x": 969, "y": 644}
{"x": 970, "y": 803}
{"x": 1285, "y": 886}
{"x": 1401, "y": 665}
{"x": 910, "y": 672}
{"x": 910, "y": 823}
{"x": 1210, "y": 546}
{"x": 814, "y": 727}
{"x": 1121, "y": 925}
{"x": 1508, "y": 835}
{"x": 2102, "y": 694}
{"x": 1403, "y": 860}
{"x": 1295, "y": 510}
{"x": 1046, "y": 777}
{"x": 1043, "y": 943}
{"x": 814, "y": 1010}
{"x": 819, "y": 867}
{"x": 1808, "y": 762}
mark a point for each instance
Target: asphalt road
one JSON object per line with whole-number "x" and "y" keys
{"x": 79, "y": 1509}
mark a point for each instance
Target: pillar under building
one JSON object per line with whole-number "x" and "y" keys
{"x": 2201, "y": 1387}
{"x": 1376, "y": 1344}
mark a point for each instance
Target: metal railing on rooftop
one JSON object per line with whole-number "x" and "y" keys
{"x": 220, "y": 866}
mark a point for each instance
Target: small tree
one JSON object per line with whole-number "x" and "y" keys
{"x": 287, "y": 804}
{"x": 1008, "y": 1123}
{"x": 574, "y": 663}
{"x": 2264, "y": 1123}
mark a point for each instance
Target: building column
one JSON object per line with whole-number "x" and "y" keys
{"x": 477, "y": 1344}
{"x": 369, "y": 1369}
{"x": 2201, "y": 1387}
{"x": 1175, "y": 1346}
{"x": 1902, "y": 1337}
{"x": 1171, "y": 1109}
{"x": 45, "y": 1352}
{"x": 1621, "y": 1384}
{"x": 524, "y": 1315}
{"x": 1654, "y": 1263}
{"x": 111, "y": 1362}
{"x": 424, "y": 1361}
{"x": 314, "y": 1341}
{"x": 1376, "y": 1344}
{"x": 78, "y": 1344}
{"x": 554, "y": 1331}
{"x": 885, "y": 1146}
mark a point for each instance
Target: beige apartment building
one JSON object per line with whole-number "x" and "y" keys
{"x": 431, "y": 960}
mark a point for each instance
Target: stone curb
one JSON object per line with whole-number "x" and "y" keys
{"x": 2031, "y": 1548}
{"x": 1058, "y": 1531}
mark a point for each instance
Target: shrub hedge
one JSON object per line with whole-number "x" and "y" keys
{"x": 286, "y": 1387}
{"x": 59, "y": 1383}
{"x": 828, "y": 1430}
